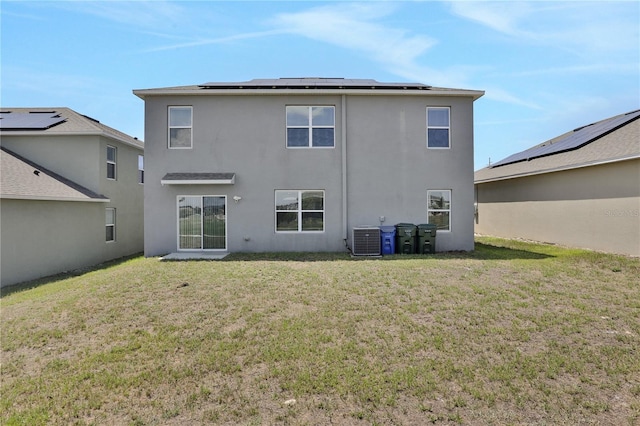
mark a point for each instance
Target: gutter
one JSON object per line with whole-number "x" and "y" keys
{"x": 142, "y": 93}
{"x": 51, "y": 198}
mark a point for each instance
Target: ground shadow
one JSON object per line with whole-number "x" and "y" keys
{"x": 27, "y": 285}
{"x": 482, "y": 252}
{"x": 490, "y": 252}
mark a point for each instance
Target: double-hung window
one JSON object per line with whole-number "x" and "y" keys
{"x": 310, "y": 127}
{"x": 299, "y": 211}
{"x": 438, "y": 127}
{"x": 439, "y": 208}
{"x": 140, "y": 169}
{"x": 180, "y": 127}
{"x": 110, "y": 222}
{"x": 111, "y": 162}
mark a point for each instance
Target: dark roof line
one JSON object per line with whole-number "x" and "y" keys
{"x": 85, "y": 191}
{"x": 571, "y": 141}
{"x": 314, "y": 83}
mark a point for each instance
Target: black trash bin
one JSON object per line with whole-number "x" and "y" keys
{"x": 405, "y": 238}
{"x": 426, "y": 238}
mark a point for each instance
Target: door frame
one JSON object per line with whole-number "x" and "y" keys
{"x": 226, "y": 223}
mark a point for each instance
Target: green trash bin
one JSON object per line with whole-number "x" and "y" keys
{"x": 405, "y": 238}
{"x": 426, "y": 238}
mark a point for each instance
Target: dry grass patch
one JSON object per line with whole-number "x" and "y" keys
{"x": 513, "y": 333}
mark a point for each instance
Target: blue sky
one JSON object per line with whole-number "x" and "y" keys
{"x": 547, "y": 67}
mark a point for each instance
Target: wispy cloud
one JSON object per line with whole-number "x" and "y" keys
{"x": 611, "y": 69}
{"x": 138, "y": 14}
{"x": 217, "y": 40}
{"x": 355, "y": 27}
{"x": 578, "y": 27}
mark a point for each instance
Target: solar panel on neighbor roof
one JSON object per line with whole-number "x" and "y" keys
{"x": 578, "y": 138}
{"x": 29, "y": 120}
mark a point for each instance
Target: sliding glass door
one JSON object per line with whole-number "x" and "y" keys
{"x": 202, "y": 222}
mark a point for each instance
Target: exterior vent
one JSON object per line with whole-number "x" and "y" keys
{"x": 366, "y": 241}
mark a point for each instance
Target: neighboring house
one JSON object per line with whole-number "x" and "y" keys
{"x": 71, "y": 194}
{"x": 581, "y": 189}
{"x": 296, "y": 164}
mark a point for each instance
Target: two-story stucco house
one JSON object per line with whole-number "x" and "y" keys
{"x": 296, "y": 164}
{"x": 71, "y": 193}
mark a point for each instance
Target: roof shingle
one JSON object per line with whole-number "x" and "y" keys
{"x": 72, "y": 123}
{"x": 24, "y": 179}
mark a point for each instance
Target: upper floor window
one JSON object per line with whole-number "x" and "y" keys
{"x": 438, "y": 127}
{"x": 140, "y": 169}
{"x": 310, "y": 126}
{"x": 111, "y": 162}
{"x": 180, "y": 122}
{"x": 439, "y": 208}
{"x": 299, "y": 211}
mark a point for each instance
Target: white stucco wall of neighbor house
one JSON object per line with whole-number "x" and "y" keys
{"x": 380, "y": 141}
{"x": 596, "y": 207}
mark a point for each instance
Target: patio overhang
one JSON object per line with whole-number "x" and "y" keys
{"x": 198, "y": 179}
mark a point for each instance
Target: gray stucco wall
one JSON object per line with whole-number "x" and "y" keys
{"x": 389, "y": 168}
{"x": 593, "y": 207}
{"x": 74, "y": 157}
{"x": 47, "y": 237}
{"x": 41, "y": 238}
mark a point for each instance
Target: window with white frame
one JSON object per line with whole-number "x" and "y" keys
{"x": 111, "y": 162}
{"x": 438, "y": 127}
{"x": 180, "y": 127}
{"x": 439, "y": 208}
{"x": 110, "y": 221}
{"x": 140, "y": 169}
{"x": 299, "y": 211}
{"x": 310, "y": 126}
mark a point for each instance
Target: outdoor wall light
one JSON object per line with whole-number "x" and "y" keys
{"x": 236, "y": 198}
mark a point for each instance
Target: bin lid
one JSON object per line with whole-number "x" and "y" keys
{"x": 405, "y": 225}
{"x": 427, "y": 226}
{"x": 388, "y": 228}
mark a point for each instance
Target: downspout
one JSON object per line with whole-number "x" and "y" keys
{"x": 344, "y": 169}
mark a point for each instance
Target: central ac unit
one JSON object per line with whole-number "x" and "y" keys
{"x": 366, "y": 241}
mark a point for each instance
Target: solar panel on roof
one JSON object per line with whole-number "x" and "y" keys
{"x": 574, "y": 140}
{"x": 313, "y": 83}
{"x": 29, "y": 120}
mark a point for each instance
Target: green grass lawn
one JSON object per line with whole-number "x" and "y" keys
{"x": 514, "y": 333}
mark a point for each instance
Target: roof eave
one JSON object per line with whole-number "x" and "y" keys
{"x": 197, "y": 91}
{"x": 53, "y": 133}
{"x": 558, "y": 169}
{"x": 48, "y": 198}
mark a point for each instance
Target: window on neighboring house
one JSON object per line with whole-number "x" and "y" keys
{"x": 110, "y": 221}
{"x": 439, "y": 208}
{"x": 438, "y": 127}
{"x": 180, "y": 121}
{"x": 111, "y": 162}
{"x": 310, "y": 126}
{"x": 140, "y": 169}
{"x": 299, "y": 211}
